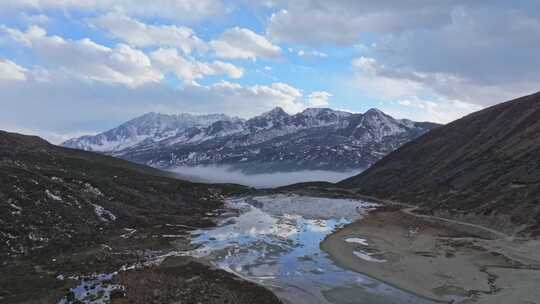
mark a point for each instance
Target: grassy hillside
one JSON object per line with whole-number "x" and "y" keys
{"x": 484, "y": 167}
{"x": 65, "y": 211}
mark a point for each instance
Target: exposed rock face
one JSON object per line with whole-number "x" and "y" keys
{"x": 485, "y": 166}
{"x": 317, "y": 138}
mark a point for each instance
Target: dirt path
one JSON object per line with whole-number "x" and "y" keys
{"x": 410, "y": 211}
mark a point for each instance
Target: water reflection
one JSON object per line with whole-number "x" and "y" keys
{"x": 274, "y": 241}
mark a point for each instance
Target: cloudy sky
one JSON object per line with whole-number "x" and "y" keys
{"x": 71, "y": 67}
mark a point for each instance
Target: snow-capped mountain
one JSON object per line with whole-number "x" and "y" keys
{"x": 317, "y": 138}
{"x": 152, "y": 127}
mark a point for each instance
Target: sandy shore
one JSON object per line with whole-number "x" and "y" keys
{"x": 437, "y": 261}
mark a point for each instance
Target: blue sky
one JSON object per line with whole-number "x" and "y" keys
{"x": 71, "y": 67}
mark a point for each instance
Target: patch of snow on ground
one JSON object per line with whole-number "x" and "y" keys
{"x": 52, "y": 196}
{"x": 94, "y": 289}
{"x": 18, "y": 208}
{"x": 357, "y": 241}
{"x": 366, "y": 256}
{"x": 91, "y": 189}
{"x": 129, "y": 233}
{"x": 33, "y": 236}
{"x": 103, "y": 214}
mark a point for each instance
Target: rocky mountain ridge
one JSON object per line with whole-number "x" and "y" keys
{"x": 314, "y": 139}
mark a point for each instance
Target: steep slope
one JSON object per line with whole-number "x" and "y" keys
{"x": 148, "y": 127}
{"x": 317, "y": 138}
{"x": 484, "y": 167}
{"x": 54, "y": 197}
{"x": 67, "y": 213}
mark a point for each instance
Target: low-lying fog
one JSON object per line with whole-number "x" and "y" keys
{"x": 224, "y": 174}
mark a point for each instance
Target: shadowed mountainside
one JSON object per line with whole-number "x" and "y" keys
{"x": 68, "y": 212}
{"x": 59, "y": 196}
{"x": 484, "y": 167}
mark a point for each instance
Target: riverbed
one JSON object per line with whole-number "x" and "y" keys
{"x": 275, "y": 241}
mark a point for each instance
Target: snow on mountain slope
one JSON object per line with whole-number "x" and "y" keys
{"x": 154, "y": 127}
{"x": 315, "y": 139}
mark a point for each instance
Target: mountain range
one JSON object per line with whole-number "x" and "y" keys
{"x": 483, "y": 168}
{"x": 69, "y": 211}
{"x": 314, "y": 139}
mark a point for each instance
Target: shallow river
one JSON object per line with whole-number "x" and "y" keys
{"x": 274, "y": 240}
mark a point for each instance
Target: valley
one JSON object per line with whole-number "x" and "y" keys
{"x": 269, "y": 152}
{"x": 91, "y": 228}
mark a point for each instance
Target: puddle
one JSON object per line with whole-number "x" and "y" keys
{"x": 274, "y": 240}
{"x": 99, "y": 288}
{"x": 94, "y": 289}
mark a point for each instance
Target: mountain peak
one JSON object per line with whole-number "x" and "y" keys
{"x": 275, "y": 112}
{"x": 374, "y": 111}
{"x": 152, "y": 125}
{"x": 162, "y": 140}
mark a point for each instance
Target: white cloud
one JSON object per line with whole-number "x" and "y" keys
{"x": 365, "y": 64}
{"x": 312, "y": 27}
{"x": 225, "y": 174}
{"x": 168, "y": 60}
{"x": 35, "y": 19}
{"x": 371, "y": 78}
{"x": 395, "y": 83}
{"x": 313, "y": 53}
{"x": 319, "y": 99}
{"x": 315, "y": 22}
{"x": 241, "y": 43}
{"x": 473, "y": 57}
{"x": 247, "y": 101}
{"x": 403, "y": 88}
{"x": 439, "y": 110}
{"x": 121, "y": 64}
{"x": 220, "y": 67}
{"x": 87, "y": 59}
{"x": 286, "y": 89}
{"x": 48, "y": 4}
{"x": 10, "y": 71}
{"x": 184, "y": 10}
{"x": 140, "y": 34}
{"x": 477, "y": 52}
{"x": 101, "y": 106}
